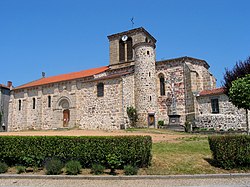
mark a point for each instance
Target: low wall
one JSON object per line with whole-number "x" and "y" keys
{"x": 221, "y": 121}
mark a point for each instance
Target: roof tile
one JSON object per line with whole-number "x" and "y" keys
{"x": 64, "y": 77}
{"x": 213, "y": 91}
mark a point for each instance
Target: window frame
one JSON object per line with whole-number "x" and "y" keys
{"x": 100, "y": 89}
{"x": 162, "y": 85}
{"x": 215, "y": 107}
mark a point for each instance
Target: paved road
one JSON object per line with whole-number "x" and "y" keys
{"x": 191, "y": 182}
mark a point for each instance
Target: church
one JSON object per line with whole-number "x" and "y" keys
{"x": 174, "y": 91}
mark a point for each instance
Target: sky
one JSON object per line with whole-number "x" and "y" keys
{"x": 63, "y": 36}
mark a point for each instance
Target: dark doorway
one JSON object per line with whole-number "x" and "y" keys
{"x": 151, "y": 120}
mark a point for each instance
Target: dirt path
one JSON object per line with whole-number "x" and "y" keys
{"x": 157, "y": 136}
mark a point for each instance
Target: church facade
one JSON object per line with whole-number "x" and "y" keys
{"x": 98, "y": 98}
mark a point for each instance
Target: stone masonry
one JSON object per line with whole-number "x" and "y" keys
{"x": 98, "y": 98}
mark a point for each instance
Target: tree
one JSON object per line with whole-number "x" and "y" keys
{"x": 239, "y": 94}
{"x": 132, "y": 115}
{"x": 240, "y": 70}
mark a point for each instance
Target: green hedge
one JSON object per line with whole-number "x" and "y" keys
{"x": 34, "y": 150}
{"x": 231, "y": 151}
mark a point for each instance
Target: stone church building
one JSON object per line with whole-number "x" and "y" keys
{"x": 173, "y": 91}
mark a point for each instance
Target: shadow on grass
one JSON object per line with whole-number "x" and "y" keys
{"x": 212, "y": 162}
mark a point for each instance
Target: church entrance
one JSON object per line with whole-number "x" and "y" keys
{"x": 66, "y": 115}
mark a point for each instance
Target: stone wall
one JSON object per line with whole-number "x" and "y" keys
{"x": 174, "y": 69}
{"x": 229, "y": 117}
{"x": 87, "y": 111}
{"x": 4, "y": 107}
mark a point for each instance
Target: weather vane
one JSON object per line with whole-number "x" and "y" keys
{"x": 132, "y": 21}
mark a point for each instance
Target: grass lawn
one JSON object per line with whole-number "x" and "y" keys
{"x": 188, "y": 155}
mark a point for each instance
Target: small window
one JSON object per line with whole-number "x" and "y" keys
{"x": 150, "y": 98}
{"x": 100, "y": 90}
{"x": 215, "y": 106}
{"x": 19, "y": 105}
{"x": 49, "y": 101}
{"x": 162, "y": 85}
{"x": 147, "y": 52}
{"x": 149, "y": 74}
{"x": 34, "y": 103}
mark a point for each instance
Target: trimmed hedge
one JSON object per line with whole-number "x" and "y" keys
{"x": 34, "y": 150}
{"x": 231, "y": 151}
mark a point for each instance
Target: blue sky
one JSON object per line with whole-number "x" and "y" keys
{"x": 62, "y": 36}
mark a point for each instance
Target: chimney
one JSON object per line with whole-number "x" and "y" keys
{"x": 9, "y": 84}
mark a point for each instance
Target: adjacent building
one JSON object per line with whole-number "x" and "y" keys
{"x": 4, "y": 105}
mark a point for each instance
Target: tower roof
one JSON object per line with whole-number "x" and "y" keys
{"x": 131, "y": 32}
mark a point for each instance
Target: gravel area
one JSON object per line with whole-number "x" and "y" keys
{"x": 156, "y": 137}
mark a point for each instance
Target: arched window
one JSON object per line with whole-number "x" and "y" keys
{"x": 162, "y": 85}
{"x": 19, "y": 104}
{"x": 129, "y": 49}
{"x": 126, "y": 50}
{"x": 100, "y": 90}
{"x": 34, "y": 103}
{"x": 49, "y": 101}
{"x": 121, "y": 51}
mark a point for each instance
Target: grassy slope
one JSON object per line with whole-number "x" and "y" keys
{"x": 187, "y": 156}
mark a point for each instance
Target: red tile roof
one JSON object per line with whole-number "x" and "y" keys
{"x": 212, "y": 92}
{"x": 64, "y": 77}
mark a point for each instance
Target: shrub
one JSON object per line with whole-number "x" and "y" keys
{"x": 3, "y": 167}
{"x": 73, "y": 167}
{"x": 54, "y": 167}
{"x": 132, "y": 115}
{"x": 130, "y": 170}
{"x": 97, "y": 169}
{"x": 135, "y": 150}
{"x": 20, "y": 169}
{"x": 114, "y": 162}
{"x": 160, "y": 123}
{"x": 232, "y": 151}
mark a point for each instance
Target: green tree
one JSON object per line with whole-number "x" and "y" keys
{"x": 240, "y": 70}
{"x": 239, "y": 94}
{"x": 132, "y": 115}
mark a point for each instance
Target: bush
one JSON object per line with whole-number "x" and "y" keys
{"x": 114, "y": 162}
{"x": 3, "y": 167}
{"x": 130, "y": 170}
{"x": 73, "y": 167}
{"x": 97, "y": 169}
{"x": 33, "y": 150}
{"x": 20, "y": 169}
{"x": 160, "y": 123}
{"x": 132, "y": 115}
{"x": 232, "y": 151}
{"x": 54, "y": 167}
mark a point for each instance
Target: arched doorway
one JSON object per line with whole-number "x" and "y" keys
{"x": 66, "y": 117}
{"x": 64, "y": 106}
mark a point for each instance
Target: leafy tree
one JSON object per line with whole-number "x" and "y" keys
{"x": 132, "y": 115}
{"x": 240, "y": 70}
{"x": 239, "y": 94}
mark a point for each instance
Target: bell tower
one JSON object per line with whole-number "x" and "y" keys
{"x": 121, "y": 51}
